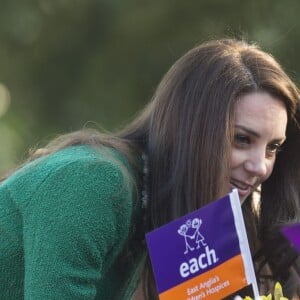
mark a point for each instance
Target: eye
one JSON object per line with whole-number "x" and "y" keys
{"x": 273, "y": 149}
{"x": 241, "y": 139}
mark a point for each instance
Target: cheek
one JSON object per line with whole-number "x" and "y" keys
{"x": 269, "y": 171}
{"x": 236, "y": 158}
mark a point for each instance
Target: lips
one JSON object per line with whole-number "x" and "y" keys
{"x": 244, "y": 189}
{"x": 240, "y": 185}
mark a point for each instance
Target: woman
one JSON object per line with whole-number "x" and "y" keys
{"x": 73, "y": 218}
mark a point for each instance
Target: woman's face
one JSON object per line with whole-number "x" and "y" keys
{"x": 259, "y": 131}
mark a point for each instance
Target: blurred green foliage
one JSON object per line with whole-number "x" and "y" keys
{"x": 69, "y": 62}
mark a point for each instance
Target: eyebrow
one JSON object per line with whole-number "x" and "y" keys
{"x": 249, "y": 131}
{"x": 256, "y": 134}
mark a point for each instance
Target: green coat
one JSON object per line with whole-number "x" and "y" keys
{"x": 64, "y": 219}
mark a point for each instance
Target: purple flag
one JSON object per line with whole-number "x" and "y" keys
{"x": 292, "y": 232}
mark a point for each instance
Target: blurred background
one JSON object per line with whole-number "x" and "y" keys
{"x": 66, "y": 64}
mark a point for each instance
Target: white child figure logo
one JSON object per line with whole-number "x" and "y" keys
{"x": 184, "y": 228}
{"x": 190, "y": 232}
{"x": 196, "y": 223}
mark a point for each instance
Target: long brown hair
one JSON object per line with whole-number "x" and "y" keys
{"x": 187, "y": 131}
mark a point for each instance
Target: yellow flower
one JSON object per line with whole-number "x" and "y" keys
{"x": 278, "y": 294}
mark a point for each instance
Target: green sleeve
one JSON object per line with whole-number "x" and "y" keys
{"x": 74, "y": 226}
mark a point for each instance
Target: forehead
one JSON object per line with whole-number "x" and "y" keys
{"x": 262, "y": 112}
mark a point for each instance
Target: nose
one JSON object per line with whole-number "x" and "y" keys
{"x": 256, "y": 164}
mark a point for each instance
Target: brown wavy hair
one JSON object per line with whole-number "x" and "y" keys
{"x": 187, "y": 132}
